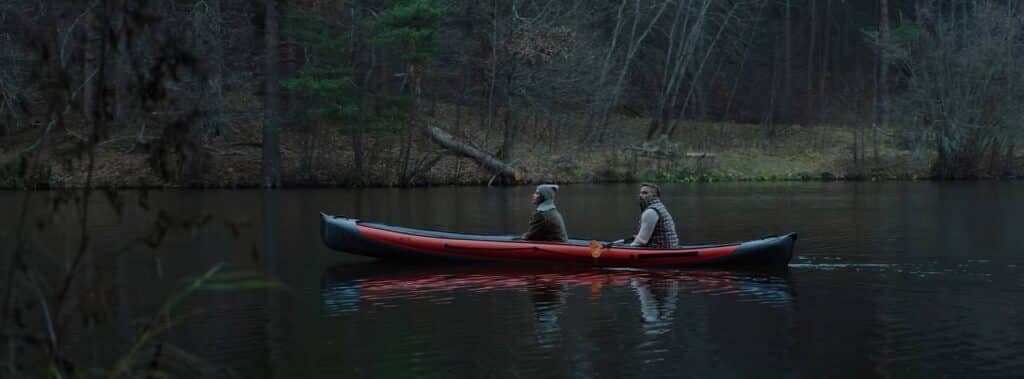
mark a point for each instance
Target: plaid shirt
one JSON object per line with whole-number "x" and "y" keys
{"x": 664, "y": 235}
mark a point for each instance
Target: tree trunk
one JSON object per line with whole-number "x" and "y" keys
{"x": 769, "y": 118}
{"x": 597, "y": 101}
{"x": 314, "y": 137}
{"x": 1009, "y": 161}
{"x": 405, "y": 156}
{"x": 208, "y": 37}
{"x": 685, "y": 57}
{"x": 788, "y": 76}
{"x": 507, "y": 142}
{"x": 465, "y": 68}
{"x": 696, "y": 83}
{"x": 89, "y": 66}
{"x": 825, "y": 49}
{"x": 121, "y": 66}
{"x": 271, "y": 101}
{"x": 746, "y": 53}
{"x": 939, "y": 169}
{"x": 494, "y": 65}
{"x": 216, "y": 78}
{"x": 635, "y": 42}
{"x": 995, "y": 156}
{"x": 670, "y": 71}
{"x": 488, "y": 161}
{"x": 407, "y": 171}
{"x": 883, "y": 77}
{"x": 813, "y": 30}
{"x": 357, "y": 153}
{"x": 856, "y": 148}
{"x": 293, "y": 63}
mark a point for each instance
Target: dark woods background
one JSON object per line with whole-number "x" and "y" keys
{"x": 187, "y": 83}
{"x": 303, "y": 90}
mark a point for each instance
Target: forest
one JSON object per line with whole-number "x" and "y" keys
{"x": 103, "y": 100}
{"x": 246, "y": 93}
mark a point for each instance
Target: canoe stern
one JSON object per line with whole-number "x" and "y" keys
{"x": 774, "y": 251}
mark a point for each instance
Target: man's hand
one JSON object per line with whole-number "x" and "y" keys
{"x": 623, "y": 241}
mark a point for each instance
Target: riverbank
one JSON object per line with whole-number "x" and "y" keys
{"x": 547, "y": 149}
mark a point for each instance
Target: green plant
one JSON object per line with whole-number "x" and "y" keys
{"x": 408, "y": 28}
{"x": 212, "y": 280}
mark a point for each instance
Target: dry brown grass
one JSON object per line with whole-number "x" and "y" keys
{"x": 548, "y": 147}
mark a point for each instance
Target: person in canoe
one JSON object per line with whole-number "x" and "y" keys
{"x": 546, "y": 223}
{"x": 657, "y": 229}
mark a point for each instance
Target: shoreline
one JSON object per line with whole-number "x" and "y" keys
{"x": 705, "y": 152}
{"x": 291, "y": 186}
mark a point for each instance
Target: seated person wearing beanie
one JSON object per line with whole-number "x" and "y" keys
{"x": 546, "y": 223}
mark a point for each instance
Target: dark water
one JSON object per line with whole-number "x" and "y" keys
{"x": 889, "y": 280}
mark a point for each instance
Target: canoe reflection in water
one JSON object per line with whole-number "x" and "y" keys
{"x": 349, "y": 288}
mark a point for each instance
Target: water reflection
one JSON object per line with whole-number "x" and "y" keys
{"x": 657, "y": 306}
{"x": 547, "y": 299}
{"x": 896, "y": 279}
{"x": 349, "y": 288}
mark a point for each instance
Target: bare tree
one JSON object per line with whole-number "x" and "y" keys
{"x": 812, "y": 31}
{"x": 122, "y": 60}
{"x": 697, "y": 76}
{"x": 598, "y": 94}
{"x": 882, "y": 79}
{"x": 208, "y": 37}
{"x": 93, "y": 43}
{"x": 633, "y": 44}
{"x": 694, "y": 38}
{"x": 678, "y": 56}
{"x": 823, "y": 69}
{"x": 965, "y": 84}
{"x": 788, "y": 75}
{"x": 271, "y": 100}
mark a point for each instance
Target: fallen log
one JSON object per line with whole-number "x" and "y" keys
{"x": 488, "y": 161}
{"x": 664, "y": 153}
{"x": 699, "y": 155}
{"x": 651, "y": 151}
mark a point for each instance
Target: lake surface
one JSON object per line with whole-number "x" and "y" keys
{"x": 889, "y": 280}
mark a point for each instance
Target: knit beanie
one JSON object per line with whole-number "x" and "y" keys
{"x": 547, "y": 191}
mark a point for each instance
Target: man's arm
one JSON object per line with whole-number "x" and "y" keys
{"x": 535, "y": 226}
{"x": 647, "y": 221}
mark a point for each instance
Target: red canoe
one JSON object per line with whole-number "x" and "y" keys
{"x": 393, "y": 242}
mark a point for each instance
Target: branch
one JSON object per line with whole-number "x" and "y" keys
{"x": 67, "y": 34}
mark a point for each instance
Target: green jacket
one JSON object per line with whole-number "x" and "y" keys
{"x": 546, "y": 226}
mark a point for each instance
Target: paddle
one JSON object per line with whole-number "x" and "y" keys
{"x": 595, "y": 249}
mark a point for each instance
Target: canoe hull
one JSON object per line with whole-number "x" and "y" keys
{"x": 397, "y": 243}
